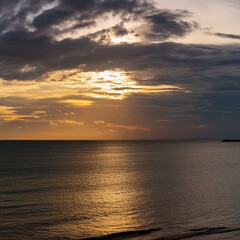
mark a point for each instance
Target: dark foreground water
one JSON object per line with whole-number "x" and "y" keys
{"x": 120, "y": 190}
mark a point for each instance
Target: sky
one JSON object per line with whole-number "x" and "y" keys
{"x": 119, "y": 69}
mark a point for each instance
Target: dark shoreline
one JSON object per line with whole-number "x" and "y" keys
{"x": 231, "y": 140}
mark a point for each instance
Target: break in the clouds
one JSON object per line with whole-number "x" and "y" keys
{"x": 66, "y": 64}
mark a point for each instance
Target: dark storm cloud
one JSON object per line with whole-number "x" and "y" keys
{"x": 28, "y": 47}
{"x": 44, "y": 14}
{"x": 19, "y": 49}
{"x": 103, "y": 37}
{"x": 166, "y": 24}
{"x": 82, "y": 25}
{"x": 14, "y": 15}
{"x": 120, "y": 30}
{"x": 224, "y": 35}
{"x": 26, "y": 28}
{"x": 49, "y": 18}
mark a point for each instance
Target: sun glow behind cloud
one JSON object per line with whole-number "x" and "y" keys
{"x": 53, "y": 99}
{"x": 130, "y": 38}
{"x": 114, "y": 84}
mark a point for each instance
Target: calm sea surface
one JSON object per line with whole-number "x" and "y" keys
{"x": 85, "y": 189}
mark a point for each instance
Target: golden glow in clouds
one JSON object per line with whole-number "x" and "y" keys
{"x": 111, "y": 84}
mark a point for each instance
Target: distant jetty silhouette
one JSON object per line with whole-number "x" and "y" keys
{"x": 231, "y": 140}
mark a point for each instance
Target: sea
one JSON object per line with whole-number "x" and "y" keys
{"x": 57, "y": 190}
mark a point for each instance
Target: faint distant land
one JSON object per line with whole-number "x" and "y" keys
{"x": 231, "y": 140}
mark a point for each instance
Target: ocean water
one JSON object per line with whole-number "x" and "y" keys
{"x": 119, "y": 190}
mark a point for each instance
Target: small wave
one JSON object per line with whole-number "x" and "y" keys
{"x": 196, "y": 232}
{"x": 126, "y": 234}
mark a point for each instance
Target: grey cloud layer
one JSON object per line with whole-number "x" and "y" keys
{"x": 224, "y": 35}
{"x": 166, "y": 24}
{"x": 28, "y": 31}
{"x": 42, "y": 15}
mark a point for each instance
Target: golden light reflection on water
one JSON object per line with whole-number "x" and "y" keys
{"x": 109, "y": 198}
{"x": 115, "y": 196}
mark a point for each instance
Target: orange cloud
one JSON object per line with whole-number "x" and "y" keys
{"x": 9, "y": 114}
{"x": 77, "y": 103}
{"x": 65, "y": 121}
{"x": 6, "y": 110}
{"x": 99, "y": 122}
